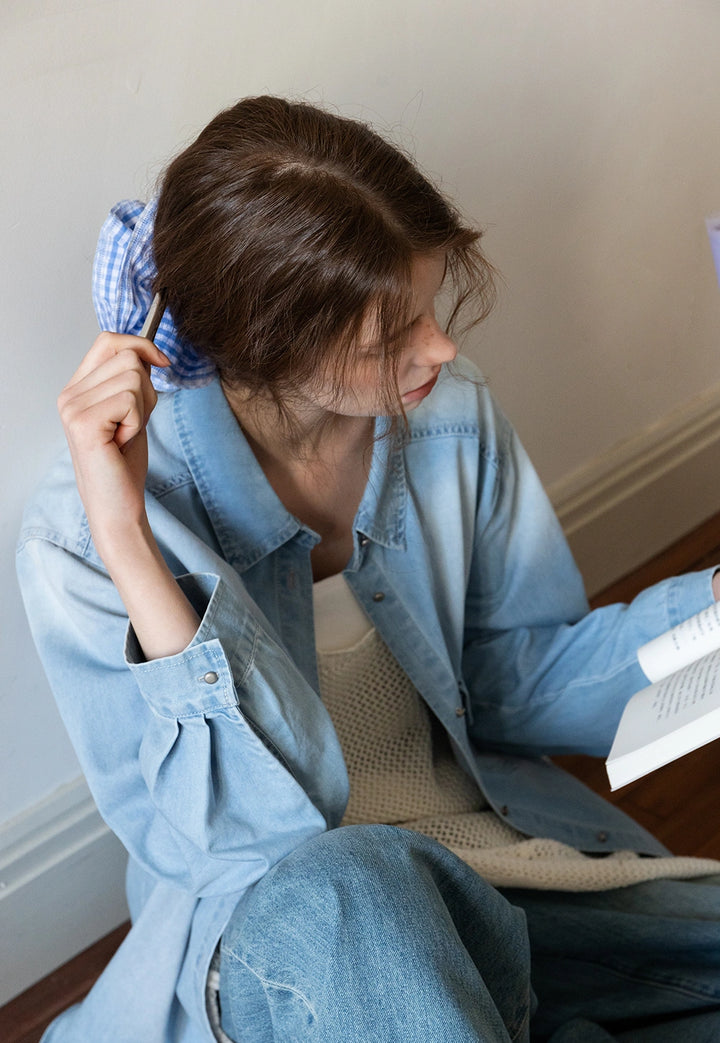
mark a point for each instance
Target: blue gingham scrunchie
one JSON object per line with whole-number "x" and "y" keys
{"x": 123, "y": 272}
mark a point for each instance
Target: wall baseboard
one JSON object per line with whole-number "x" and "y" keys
{"x": 62, "y": 886}
{"x": 640, "y": 496}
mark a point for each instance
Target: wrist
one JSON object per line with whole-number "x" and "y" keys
{"x": 123, "y": 542}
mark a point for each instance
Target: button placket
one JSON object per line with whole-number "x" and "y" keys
{"x": 465, "y": 707}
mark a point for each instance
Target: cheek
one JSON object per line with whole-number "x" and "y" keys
{"x": 369, "y": 377}
{"x": 371, "y": 387}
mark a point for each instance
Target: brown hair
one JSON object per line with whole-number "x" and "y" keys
{"x": 282, "y": 226}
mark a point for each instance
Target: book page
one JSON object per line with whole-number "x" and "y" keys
{"x": 682, "y": 645}
{"x": 674, "y": 703}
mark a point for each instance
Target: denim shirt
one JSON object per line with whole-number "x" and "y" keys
{"x": 212, "y": 764}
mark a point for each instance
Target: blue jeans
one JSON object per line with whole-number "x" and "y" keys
{"x": 376, "y": 933}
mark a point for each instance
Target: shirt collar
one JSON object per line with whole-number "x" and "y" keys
{"x": 382, "y": 511}
{"x": 249, "y": 519}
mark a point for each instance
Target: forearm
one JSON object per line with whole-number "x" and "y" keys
{"x": 163, "y": 619}
{"x": 105, "y": 410}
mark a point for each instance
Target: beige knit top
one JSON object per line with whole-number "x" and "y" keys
{"x": 402, "y": 770}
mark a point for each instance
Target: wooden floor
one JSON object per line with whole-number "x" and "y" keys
{"x": 678, "y": 803}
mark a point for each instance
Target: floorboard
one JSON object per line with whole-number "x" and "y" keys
{"x": 678, "y": 804}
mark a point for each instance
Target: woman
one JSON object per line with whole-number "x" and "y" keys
{"x": 330, "y": 509}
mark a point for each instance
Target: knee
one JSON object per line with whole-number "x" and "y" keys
{"x": 363, "y": 854}
{"x": 343, "y": 873}
{"x": 323, "y": 877}
{"x": 340, "y": 863}
{"x": 318, "y": 889}
{"x": 364, "y": 904}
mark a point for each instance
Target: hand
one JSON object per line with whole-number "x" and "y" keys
{"x": 104, "y": 410}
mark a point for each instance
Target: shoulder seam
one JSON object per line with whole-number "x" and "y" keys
{"x": 458, "y": 429}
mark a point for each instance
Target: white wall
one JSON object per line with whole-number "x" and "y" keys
{"x": 583, "y": 136}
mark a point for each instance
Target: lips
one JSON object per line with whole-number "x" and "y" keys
{"x": 421, "y": 392}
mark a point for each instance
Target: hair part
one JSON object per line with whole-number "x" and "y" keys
{"x": 283, "y": 227}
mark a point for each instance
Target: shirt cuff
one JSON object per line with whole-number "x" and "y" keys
{"x": 689, "y": 594}
{"x": 202, "y": 678}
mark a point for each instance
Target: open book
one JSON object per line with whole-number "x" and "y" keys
{"x": 680, "y": 710}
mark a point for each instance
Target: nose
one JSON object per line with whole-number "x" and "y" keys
{"x": 433, "y": 346}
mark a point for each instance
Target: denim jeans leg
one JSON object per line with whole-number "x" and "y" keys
{"x": 374, "y": 932}
{"x": 643, "y": 962}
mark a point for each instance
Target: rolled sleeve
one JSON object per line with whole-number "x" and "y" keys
{"x": 201, "y": 679}
{"x": 180, "y": 753}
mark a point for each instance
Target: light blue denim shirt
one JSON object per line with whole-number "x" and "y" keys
{"x": 212, "y": 764}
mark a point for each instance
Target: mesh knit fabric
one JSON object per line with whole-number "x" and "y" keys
{"x": 402, "y": 772}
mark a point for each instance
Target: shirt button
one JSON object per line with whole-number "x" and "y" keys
{"x": 378, "y": 596}
{"x": 210, "y": 677}
{"x": 364, "y": 540}
{"x": 602, "y": 836}
{"x": 460, "y": 712}
{"x": 504, "y": 810}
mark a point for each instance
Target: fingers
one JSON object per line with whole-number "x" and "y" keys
{"x": 113, "y": 409}
{"x": 126, "y": 365}
{"x": 110, "y": 397}
{"x": 109, "y": 345}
